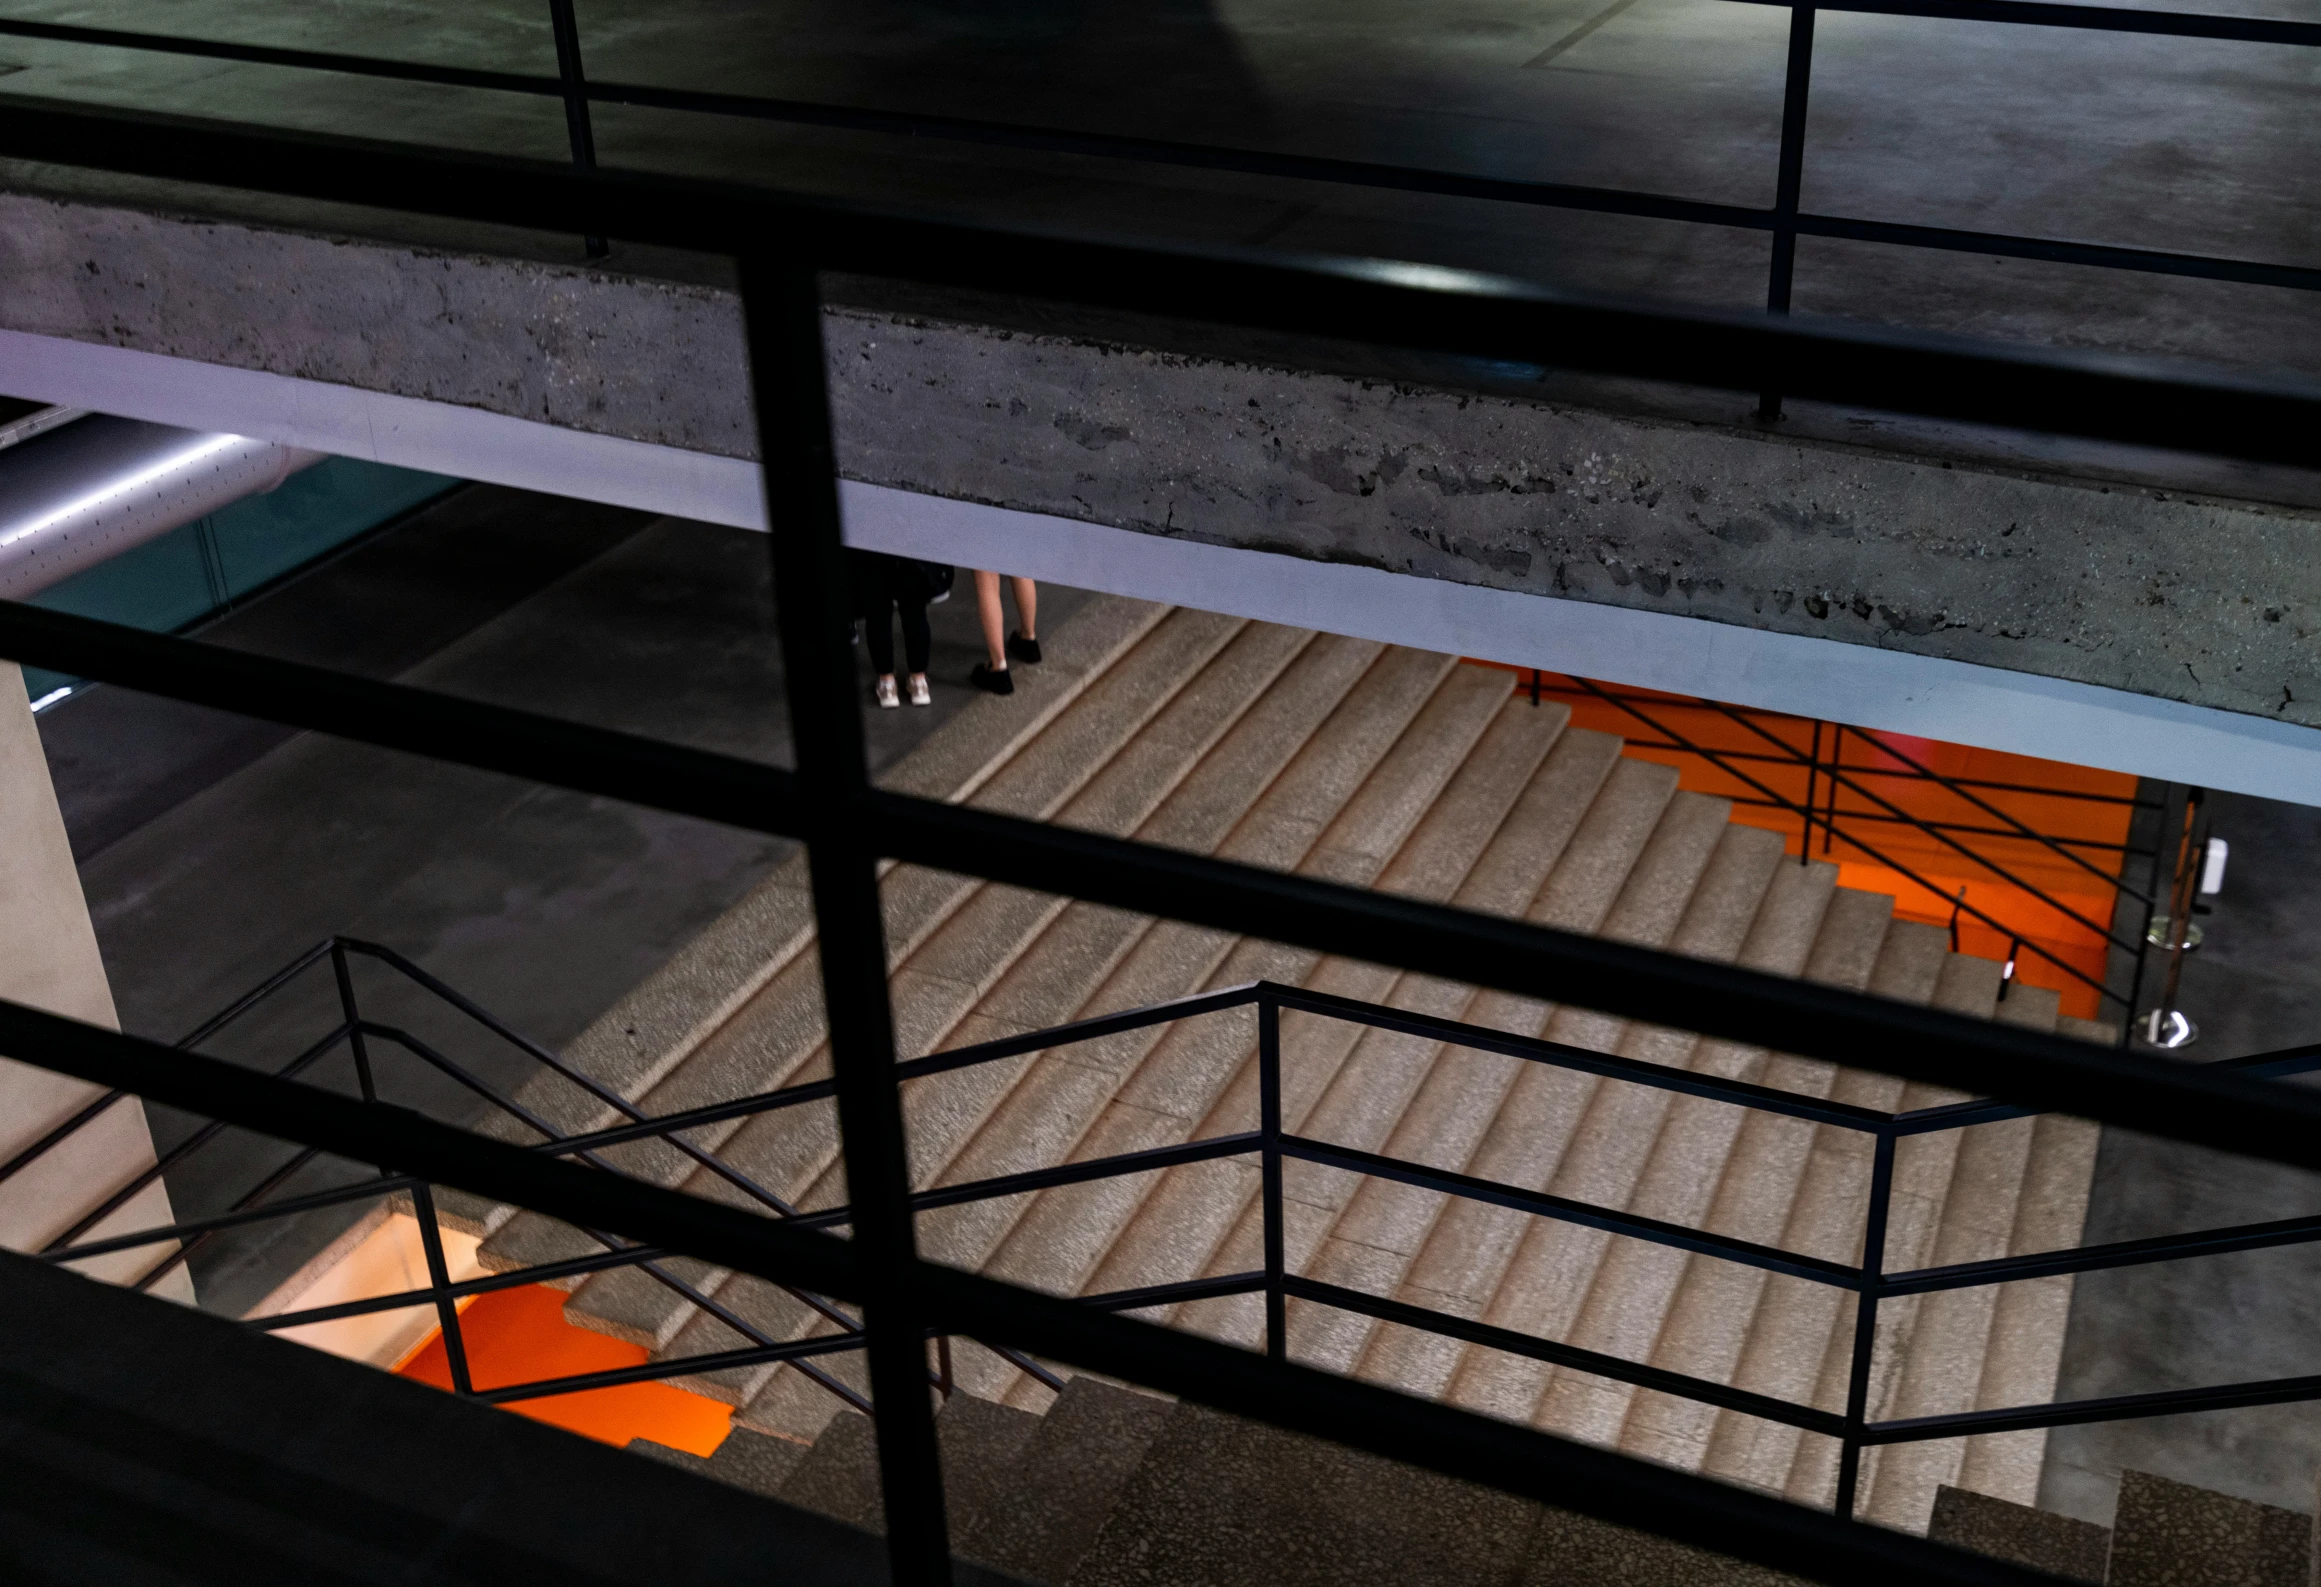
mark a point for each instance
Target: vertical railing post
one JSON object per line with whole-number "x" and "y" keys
{"x": 1812, "y": 793}
{"x": 351, "y": 1014}
{"x": 577, "y": 128}
{"x": 1837, "y": 761}
{"x": 782, "y": 313}
{"x": 2166, "y": 1026}
{"x": 1269, "y": 1134}
{"x": 1788, "y": 180}
{"x": 1849, "y": 1459}
{"x": 439, "y": 1282}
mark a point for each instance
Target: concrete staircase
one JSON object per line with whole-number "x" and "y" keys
{"x": 1113, "y": 1488}
{"x": 1406, "y": 772}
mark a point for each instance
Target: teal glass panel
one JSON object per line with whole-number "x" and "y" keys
{"x": 196, "y": 570}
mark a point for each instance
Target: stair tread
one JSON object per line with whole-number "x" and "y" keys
{"x": 1046, "y": 1511}
{"x": 1050, "y": 979}
{"x": 1230, "y": 727}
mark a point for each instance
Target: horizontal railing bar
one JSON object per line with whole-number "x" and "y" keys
{"x": 1593, "y": 1362}
{"x": 1517, "y": 1460}
{"x": 2034, "y": 1069}
{"x": 1771, "y": 1259}
{"x": 1032, "y": 1179}
{"x": 1909, "y": 821}
{"x": 1091, "y": 1029}
{"x": 1137, "y": 1299}
{"x": 1299, "y": 167}
{"x": 1958, "y": 1115}
{"x": 2102, "y": 19}
{"x": 2079, "y": 1413}
{"x": 2047, "y": 389}
{"x": 404, "y": 1300}
{"x": 2095, "y": 1258}
{"x": 1126, "y": 1163}
{"x": 1740, "y": 1093}
{"x": 658, "y": 1371}
{"x": 653, "y": 1126}
{"x": 2101, "y": 256}
{"x": 310, "y": 1202}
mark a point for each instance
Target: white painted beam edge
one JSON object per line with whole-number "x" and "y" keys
{"x": 1957, "y": 701}
{"x": 409, "y": 432}
{"x": 1857, "y": 684}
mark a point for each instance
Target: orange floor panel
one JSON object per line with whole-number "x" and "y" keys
{"x": 2058, "y": 904}
{"x": 520, "y": 1336}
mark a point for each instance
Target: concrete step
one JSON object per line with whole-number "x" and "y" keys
{"x": 1169, "y": 1080}
{"x": 1628, "y": 1299}
{"x": 1800, "y": 1334}
{"x": 940, "y": 983}
{"x": 1372, "y": 1086}
{"x": 1045, "y": 1512}
{"x": 1383, "y": 805}
{"x": 746, "y": 1460}
{"x": 1050, "y": 980}
{"x": 674, "y": 1011}
{"x": 1944, "y": 1350}
{"x": 1190, "y": 1212}
{"x": 1677, "y": 884}
{"x": 980, "y": 1445}
{"x": 1372, "y": 1240}
{"x": 1998, "y": 1529}
{"x": 1466, "y": 1250}
{"x": 755, "y": 1031}
{"x": 1222, "y": 1502}
{"x": 2170, "y": 1534}
{"x": 1785, "y": 1183}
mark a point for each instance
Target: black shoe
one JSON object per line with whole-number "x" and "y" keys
{"x": 1021, "y": 649}
{"x": 985, "y": 678}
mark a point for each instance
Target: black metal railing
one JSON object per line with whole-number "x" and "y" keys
{"x": 1791, "y": 742}
{"x": 1784, "y": 220}
{"x": 783, "y": 244}
{"x": 1274, "y": 1143}
{"x": 362, "y": 1040}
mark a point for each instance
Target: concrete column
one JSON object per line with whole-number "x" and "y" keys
{"x": 49, "y": 960}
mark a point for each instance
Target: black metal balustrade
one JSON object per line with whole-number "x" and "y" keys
{"x": 1784, "y": 221}
{"x": 782, "y": 244}
{"x": 1785, "y": 742}
{"x": 1274, "y": 1146}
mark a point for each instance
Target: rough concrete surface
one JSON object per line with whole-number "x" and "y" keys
{"x": 2136, "y": 587}
{"x": 2197, "y": 600}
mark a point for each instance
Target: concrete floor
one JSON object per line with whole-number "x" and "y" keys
{"x": 2253, "y": 986}
{"x": 2146, "y": 142}
{"x": 214, "y": 850}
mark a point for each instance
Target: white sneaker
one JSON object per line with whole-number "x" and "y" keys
{"x": 886, "y": 694}
{"x": 919, "y": 694}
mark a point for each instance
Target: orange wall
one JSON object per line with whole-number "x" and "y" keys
{"x": 520, "y": 1336}
{"x": 2050, "y": 811}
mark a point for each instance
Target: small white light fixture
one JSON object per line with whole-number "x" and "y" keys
{"x": 2169, "y": 1028}
{"x": 2212, "y": 866}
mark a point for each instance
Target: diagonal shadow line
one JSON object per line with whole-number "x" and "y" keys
{"x": 1547, "y": 56}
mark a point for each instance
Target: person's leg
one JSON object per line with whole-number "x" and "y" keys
{"x": 994, "y": 620}
{"x": 878, "y": 632}
{"x": 1024, "y": 643}
{"x": 918, "y": 639}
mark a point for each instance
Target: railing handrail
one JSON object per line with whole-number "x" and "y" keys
{"x": 1866, "y": 1280}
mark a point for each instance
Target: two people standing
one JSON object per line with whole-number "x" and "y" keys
{"x": 890, "y": 589}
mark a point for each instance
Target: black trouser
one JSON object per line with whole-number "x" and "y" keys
{"x": 878, "y": 631}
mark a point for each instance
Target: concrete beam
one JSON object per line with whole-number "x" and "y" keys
{"x": 1932, "y": 546}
